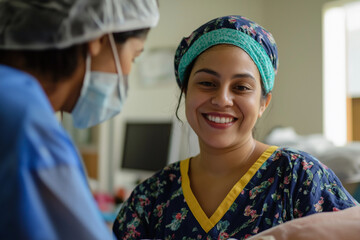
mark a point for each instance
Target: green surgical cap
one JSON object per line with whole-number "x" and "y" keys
{"x": 43, "y": 24}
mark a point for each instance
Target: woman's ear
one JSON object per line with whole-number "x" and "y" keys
{"x": 96, "y": 45}
{"x": 264, "y": 103}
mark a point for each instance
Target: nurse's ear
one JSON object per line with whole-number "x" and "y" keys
{"x": 264, "y": 103}
{"x": 96, "y": 45}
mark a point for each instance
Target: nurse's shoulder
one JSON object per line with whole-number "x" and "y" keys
{"x": 19, "y": 90}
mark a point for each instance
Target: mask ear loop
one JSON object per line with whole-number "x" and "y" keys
{"x": 86, "y": 79}
{"x": 122, "y": 92}
{"x": 87, "y": 73}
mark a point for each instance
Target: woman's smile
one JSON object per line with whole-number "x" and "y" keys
{"x": 217, "y": 120}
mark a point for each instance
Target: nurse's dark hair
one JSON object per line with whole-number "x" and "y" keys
{"x": 185, "y": 83}
{"x": 123, "y": 36}
{"x": 60, "y": 63}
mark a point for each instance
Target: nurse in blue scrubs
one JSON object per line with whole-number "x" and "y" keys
{"x": 60, "y": 55}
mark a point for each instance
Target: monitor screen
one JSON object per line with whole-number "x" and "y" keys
{"x": 146, "y": 146}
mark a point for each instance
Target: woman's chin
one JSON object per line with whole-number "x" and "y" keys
{"x": 218, "y": 143}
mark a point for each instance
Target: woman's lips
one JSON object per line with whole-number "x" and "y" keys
{"x": 219, "y": 120}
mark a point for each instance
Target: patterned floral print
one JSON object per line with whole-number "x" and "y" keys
{"x": 288, "y": 185}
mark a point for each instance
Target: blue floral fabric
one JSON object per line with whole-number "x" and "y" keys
{"x": 234, "y": 30}
{"x": 289, "y": 184}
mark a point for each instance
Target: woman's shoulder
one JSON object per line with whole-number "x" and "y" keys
{"x": 169, "y": 172}
{"x": 24, "y": 97}
{"x": 27, "y": 119}
{"x": 296, "y": 159}
{"x": 17, "y": 83}
{"x": 290, "y": 153}
{"x": 163, "y": 179}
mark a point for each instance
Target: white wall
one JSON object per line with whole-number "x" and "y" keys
{"x": 297, "y": 96}
{"x": 354, "y": 62}
{"x": 180, "y": 18}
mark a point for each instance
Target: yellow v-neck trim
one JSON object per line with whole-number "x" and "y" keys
{"x": 208, "y": 223}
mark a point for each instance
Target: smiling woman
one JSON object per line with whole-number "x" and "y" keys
{"x": 224, "y": 91}
{"x": 236, "y": 186}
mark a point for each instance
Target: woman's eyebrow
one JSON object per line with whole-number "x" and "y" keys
{"x": 244, "y": 75}
{"x": 209, "y": 71}
{"x": 212, "y": 72}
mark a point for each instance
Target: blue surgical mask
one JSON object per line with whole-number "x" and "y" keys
{"x": 102, "y": 95}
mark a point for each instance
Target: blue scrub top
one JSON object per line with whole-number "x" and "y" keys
{"x": 43, "y": 193}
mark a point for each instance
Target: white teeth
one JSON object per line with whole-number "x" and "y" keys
{"x": 219, "y": 119}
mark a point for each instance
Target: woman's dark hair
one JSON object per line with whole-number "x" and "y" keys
{"x": 60, "y": 63}
{"x": 184, "y": 87}
{"x": 123, "y": 36}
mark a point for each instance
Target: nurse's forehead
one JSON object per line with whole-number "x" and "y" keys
{"x": 211, "y": 72}
{"x": 223, "y": 53}
{"x": 232, "y": 58}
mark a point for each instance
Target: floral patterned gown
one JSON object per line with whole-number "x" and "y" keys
{"x": 282, "y": 184}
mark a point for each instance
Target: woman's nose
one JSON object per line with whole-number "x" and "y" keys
{"x": 222, "y": 98}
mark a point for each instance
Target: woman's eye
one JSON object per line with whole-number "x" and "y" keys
{"x": 242, "y": 88}
{"x": 206, "y": 84}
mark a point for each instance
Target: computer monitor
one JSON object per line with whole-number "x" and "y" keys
{"x": 149, "y": 146}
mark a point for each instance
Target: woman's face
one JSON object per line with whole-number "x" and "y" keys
{"x": 223, "y": 98}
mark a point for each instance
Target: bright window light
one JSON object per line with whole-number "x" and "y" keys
{"x": 353, "y": 16}
{"x": 334, "y": 55}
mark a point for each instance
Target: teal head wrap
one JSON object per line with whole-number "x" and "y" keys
{"x": 237, "y": 31}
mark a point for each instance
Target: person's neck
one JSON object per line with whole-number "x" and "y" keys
{"x": 52, "y": 90}
{"x": 60, "y": 93}
{"x": 225, "y": 161}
